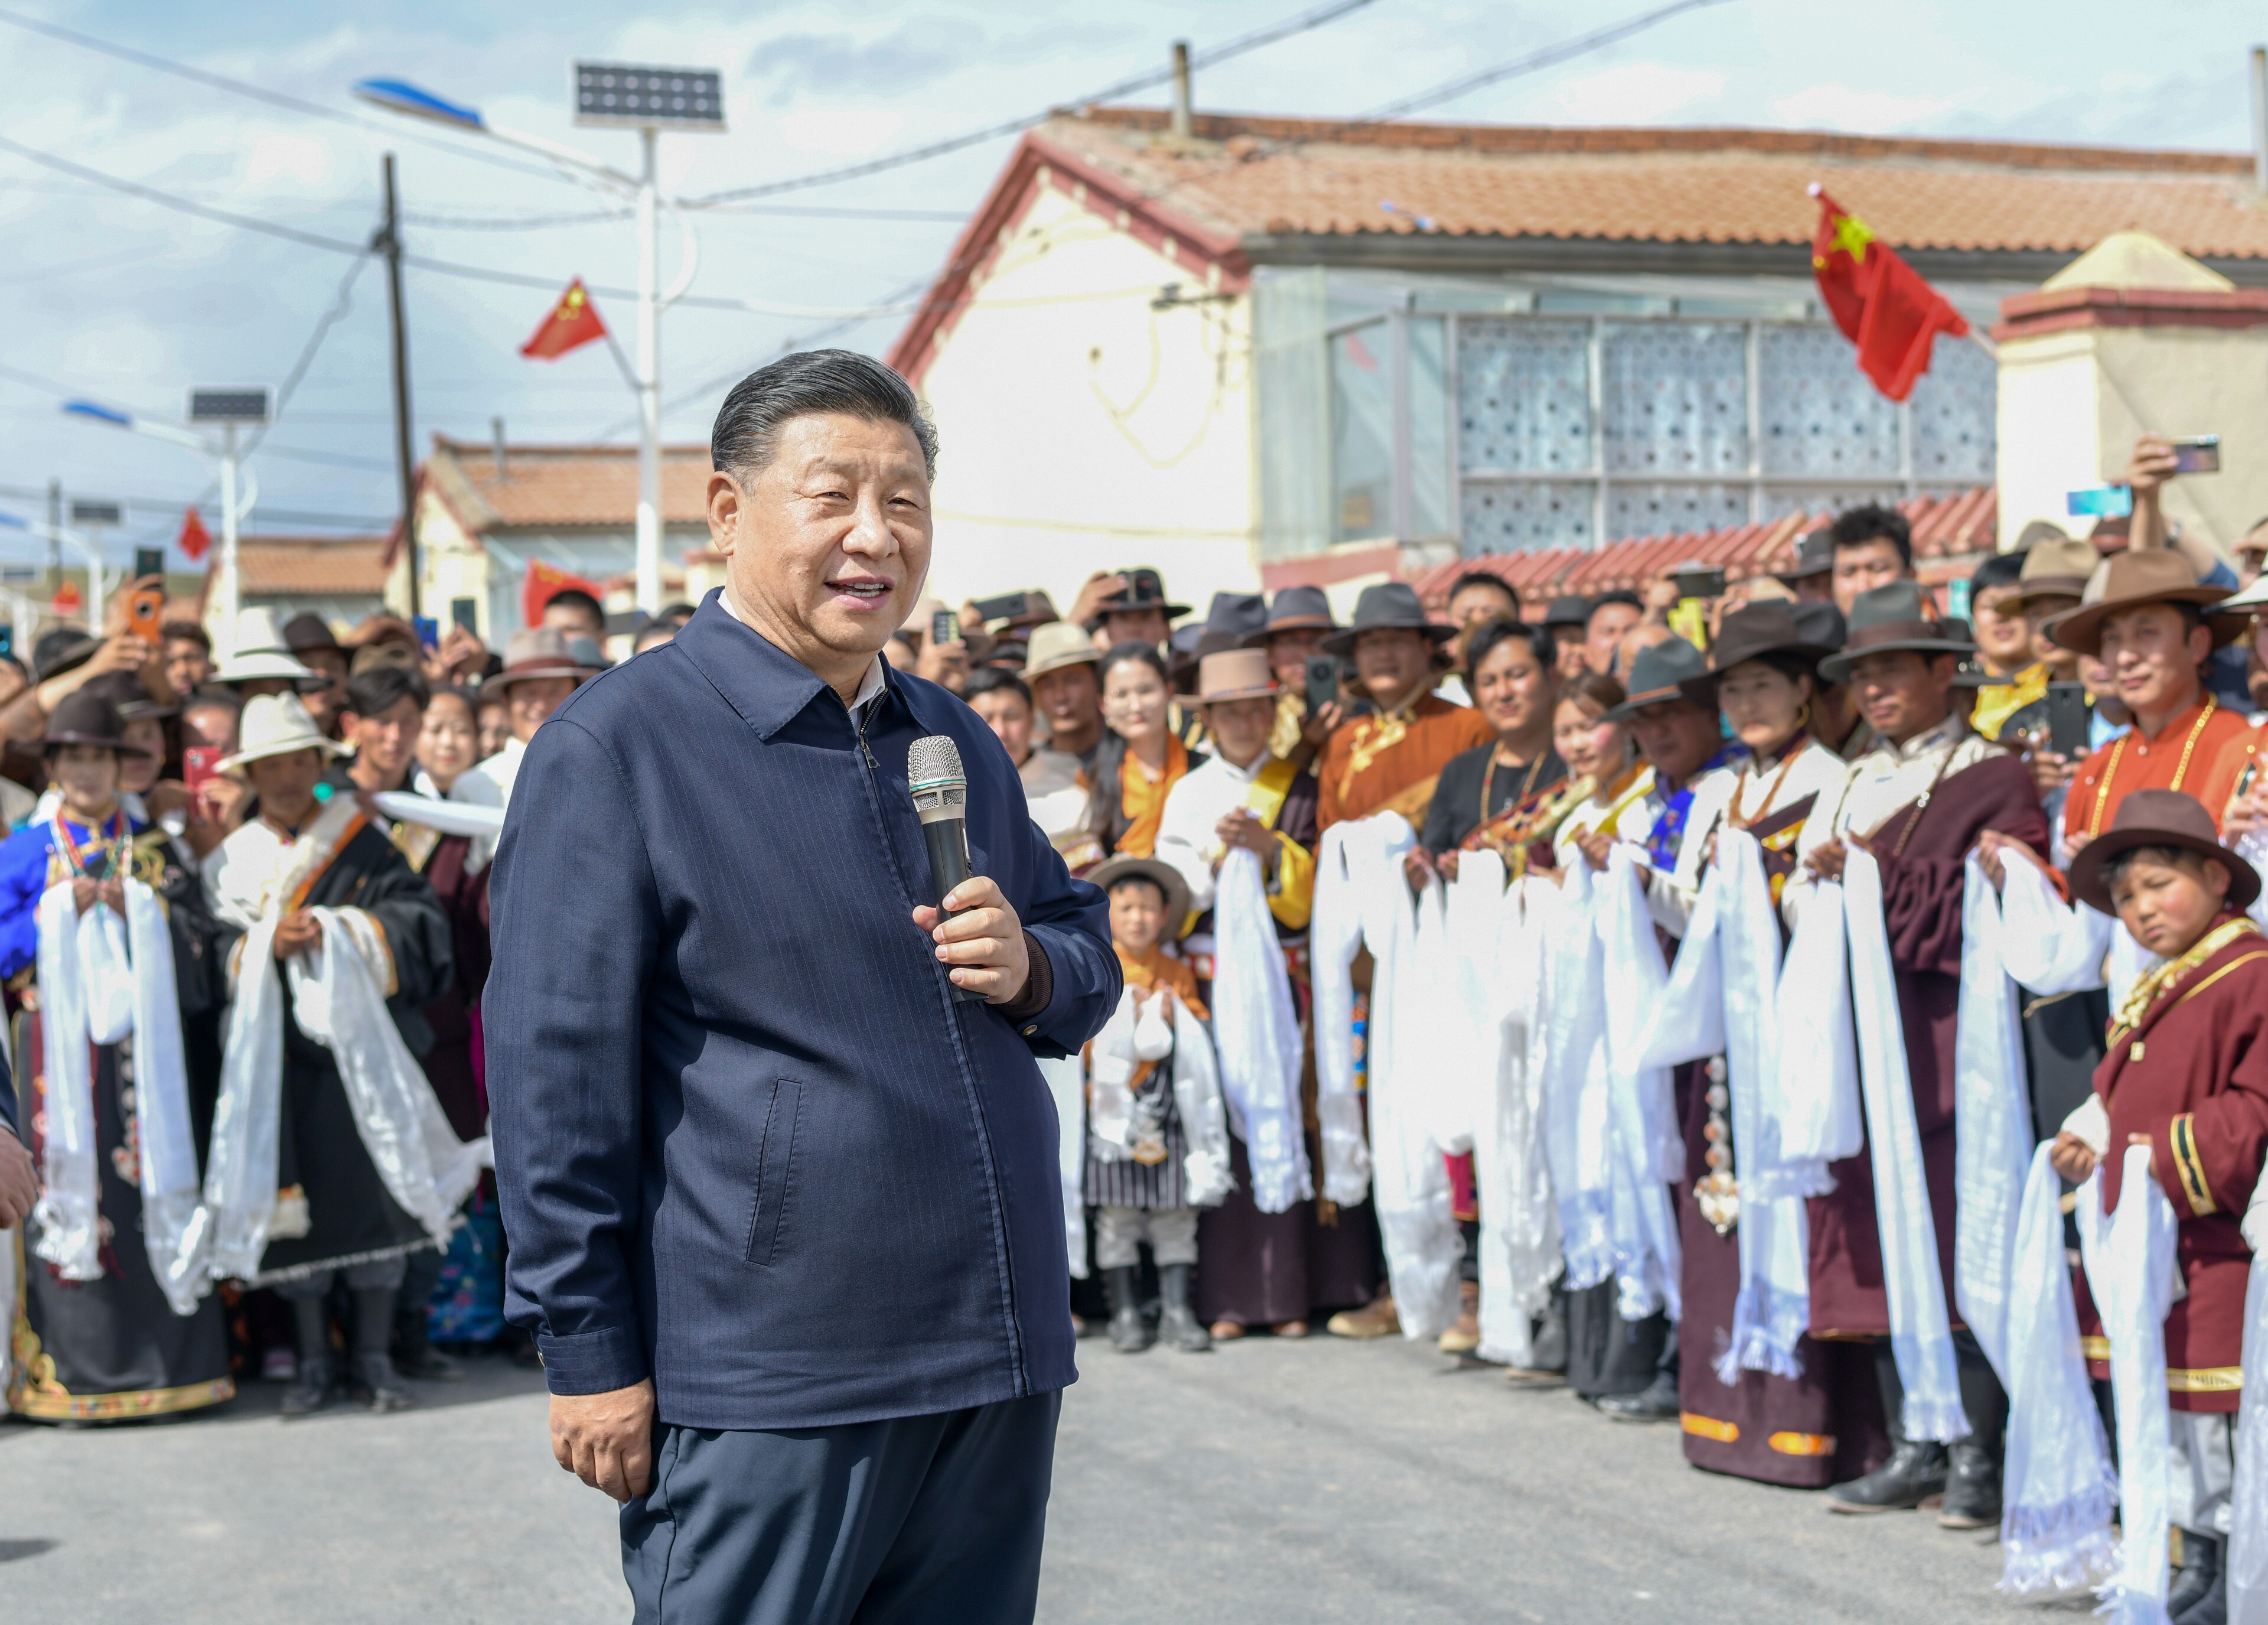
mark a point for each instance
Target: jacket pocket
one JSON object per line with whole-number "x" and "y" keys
{"x": 775, "y": 1172}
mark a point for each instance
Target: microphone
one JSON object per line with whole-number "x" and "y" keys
{"x": 940, "y": 790}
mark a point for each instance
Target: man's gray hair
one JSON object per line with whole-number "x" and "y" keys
{"x": 809, "y": 382}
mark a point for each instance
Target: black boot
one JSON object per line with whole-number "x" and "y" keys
{"x": 1972, "y": 1479}
{"x": 1177, "y": 1322}
{"x": 311, "y": 1389}
{"x": 1916, "y": 1469}
{"x": 374, "y": 1365}
{"x": 2200, "y": 1592}
{"x": 414, "y": 1354}
{"x": 1130, "y": 1333}
{"x": 1657, "y": 1401}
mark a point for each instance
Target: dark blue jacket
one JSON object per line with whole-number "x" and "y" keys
{"x": 746, "y": 1143}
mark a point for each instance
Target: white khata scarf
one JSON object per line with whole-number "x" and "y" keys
{"x": 103, "y": 978}
{"x": 2247, "y": 1562}
{"x": 1153, "y": 1028}
{"x": 1257, "y": 1028}
{"x": 1334, "y": 935}
{"x": 1773, "y": 1309}
{"x": 1648, "y": 1154}
{"x": 1578, "y": 1120}
{"x": 1066, "y": 1088}
{"x": 2130, "y": 1270}
{"x": 339, "y": 1001}
{"x": 1993, "y": 1136}
{"x": 1818, "y": 1108}
{"x": 1921, "y": 1332}
{"x": 2055, "y": 1522}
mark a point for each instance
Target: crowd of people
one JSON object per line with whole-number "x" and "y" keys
{"x": 1732, "y": 1010}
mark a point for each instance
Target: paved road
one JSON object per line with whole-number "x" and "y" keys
{"x": 1313, "y": 1480}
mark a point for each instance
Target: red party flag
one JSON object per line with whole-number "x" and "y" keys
{"x": 572, "y": 323}
{"x": 194, "y": 538}
{"x": 544, "y": 582}
{"x": 1882, "y": 304}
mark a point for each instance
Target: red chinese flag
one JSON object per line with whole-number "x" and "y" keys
{"x": 545, "y": 582}
{"x": 1882, "y": 304}
{"x": 68, "y": 599}
{"x": 195, "y": 539}
{"x": 572, "y": 323}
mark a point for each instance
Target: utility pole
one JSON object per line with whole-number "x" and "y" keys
{"x": 649, "y": 376}
{"x": 54, "y": 543}
{"x": 388, "y": 242}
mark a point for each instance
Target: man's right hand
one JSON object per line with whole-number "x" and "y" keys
{"x": 1101, "y": 585}
{"x": 607, "y": 1439}
{"x": 19, "y": 1181}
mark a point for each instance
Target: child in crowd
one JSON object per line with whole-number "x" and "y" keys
{"x": 1158, "y": 1134}
{"x": 2186, "y": 1076}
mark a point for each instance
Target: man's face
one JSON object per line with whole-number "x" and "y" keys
{"x": 1604, "y": 634}
{"x": 1819, "y": 588}
{"x": 1288, "y": 652}
{"x": 187, "y": 664}
{"x": 285, "y": 784}
{"x": 1677, "y": 737}
{"x": 2037, "y": 613}
{"x": 531, "y": 700}
{"x": 495, "y": 726}
{"x": 1009, "y": 717}
{"x": 2153, "y": 652}
{"x": 388, "y": 739}
{"x": 945, "y": 664}
{"x": 1903, "y": 693}
{"x": 827, "y": 545}
{"x": 1392, "y": 661}
{"x": 87, "y": 775}
{"x": 1514, "y": 691}
{"x": 1134, "y": 627}
{"x": 2168, "y": 906}
{"x": 1574, "y": 649}
{"x": 1477, "y": 606}
{"x": 323, "y": 704}
{"x": 146, "y": 734}
{"x": 1241, "y": 727}
{"x": 2004, "y": 636}
{"x": 1071, "y": 697}
{"x": 574, "y": 620}
{"x": 1864, "y": 567}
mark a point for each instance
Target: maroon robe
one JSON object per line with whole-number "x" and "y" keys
{"x": 1922, "y": 888}
{"x": 2192, "y": 1075}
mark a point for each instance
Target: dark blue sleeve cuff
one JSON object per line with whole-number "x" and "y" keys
{"x": 595, "y": 1361}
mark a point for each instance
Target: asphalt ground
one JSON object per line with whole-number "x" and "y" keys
{"x": 1267, "y": 1481}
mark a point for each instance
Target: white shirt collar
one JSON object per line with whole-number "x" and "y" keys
{"x": 870, "y": 686}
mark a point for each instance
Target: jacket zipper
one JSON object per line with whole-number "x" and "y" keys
{"x": 968, "y": 1077}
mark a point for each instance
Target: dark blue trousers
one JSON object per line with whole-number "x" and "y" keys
{"x": 917, "y": 1519}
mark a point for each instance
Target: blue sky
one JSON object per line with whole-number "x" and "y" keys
{"x": 131, "y": 303}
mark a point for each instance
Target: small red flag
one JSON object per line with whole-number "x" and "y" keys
{"x": 545, "y": 582}
{"x": 194, "y": 538}
{"x": 1882, "y": 304}
{"x": 68, "y": 599}
{"x": 572, "y": 323}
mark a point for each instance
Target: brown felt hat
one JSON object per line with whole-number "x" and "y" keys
{"x": 2129, "y": 579}
{"x": 1235, "y": 674}
{"x": 1159, "y": 874}
{"x": 2056, "y": 567}
{"x": 1889, "y": 618}
{"x": 2159, "y": 818}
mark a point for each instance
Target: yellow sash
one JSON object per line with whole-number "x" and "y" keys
{"x": 1269, "y": 786}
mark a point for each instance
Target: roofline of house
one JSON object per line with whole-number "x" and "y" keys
{"x": 560, "y": 448}
{"x": 1587, "y": 140}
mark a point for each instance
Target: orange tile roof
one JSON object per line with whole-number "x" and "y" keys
{"x": 1249, "y": 175}
{"x": 308, "y": 567}
{"x": 563, "y": 485}
{"x": 1945, "y": 528}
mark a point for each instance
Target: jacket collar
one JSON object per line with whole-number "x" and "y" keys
{"x": 770, "y": 687}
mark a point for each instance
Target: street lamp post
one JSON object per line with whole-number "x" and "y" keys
{"x": 617, "y": 96}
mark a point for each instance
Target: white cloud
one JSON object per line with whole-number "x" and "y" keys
{"x": 1638, "y": 92}
{"x": 1838, "y": 106}
{"x": 839, "y": 132}
{"x": 299, "y": 158}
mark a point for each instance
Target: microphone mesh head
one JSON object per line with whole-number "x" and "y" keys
{"x": 933, "y": 759}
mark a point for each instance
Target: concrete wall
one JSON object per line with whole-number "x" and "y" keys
{"x": 1082, "y": 430}
{"x": 2072, "y": 401}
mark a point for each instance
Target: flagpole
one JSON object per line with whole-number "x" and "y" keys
{"x": 224, "y": 635}
{"x": 389, "y": 241}
{"x": 649, "y": 378}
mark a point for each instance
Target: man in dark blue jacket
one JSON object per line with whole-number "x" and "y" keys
{"x": 785, "y": 1218}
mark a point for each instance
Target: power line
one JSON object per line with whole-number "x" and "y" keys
{"x": 175, "y": 505}
{"x": 1549, "y": 56}
{"x": 277, "y": 98}
{"x": 539, "y": 222}
{"x": 333, "y": 314}
{"x": 1303, "y": 23}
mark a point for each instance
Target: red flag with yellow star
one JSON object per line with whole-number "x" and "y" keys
{"x": 572, "y": 323}
{"x": 1882, "y": 304}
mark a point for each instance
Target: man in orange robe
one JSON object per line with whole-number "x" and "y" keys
{"x": 1388, "y": 760}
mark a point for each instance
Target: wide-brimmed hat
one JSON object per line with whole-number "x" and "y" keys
{"x": 1766, "y": 628}
{"x": 535, "y": 652}
{"x": 1821, "y": 621}
{"x": 2129, "y": 579}
{"x": 1232, "y": 621}
{"x": 1235, "y": 674}
{"x": 1296, "y": 608}
{"x": 1814, "y": 555}
{"x": 1390, "y": 606}
{"x": 65, "y": 649}
{"x": 2250, "y": 599}
{"x": 1056, "y": 645}
{"x": 2057, "y": 566}
{"x": 1144, "y": 589}
{"x": 276, "y": 724}
{"x": 85, "y": 719}
{"x": 1667, "y": 670}
{"x": 2159, "y": 818}
{"x": 124, "y": 689}
{"x": 1163, "y": 875}
{"x": 1570, "y": 609}
{"x": 263, "y": 655}
{"x": 308, "y": 631}
{"x": 372, "y": 655}
{"x": 1887, "y": 620}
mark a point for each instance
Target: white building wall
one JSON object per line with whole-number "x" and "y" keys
{"x": 1081, "y": 430}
